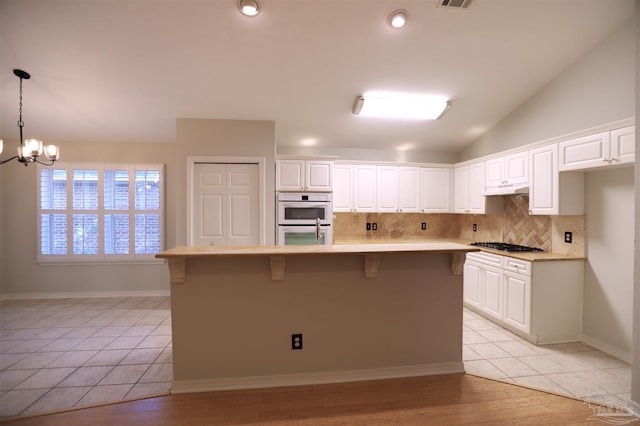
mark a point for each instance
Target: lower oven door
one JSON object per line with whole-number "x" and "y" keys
{"x": 304, "y": 235}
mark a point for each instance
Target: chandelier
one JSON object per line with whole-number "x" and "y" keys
{"x": 30, "y": 150}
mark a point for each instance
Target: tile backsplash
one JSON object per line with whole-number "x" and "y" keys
{"x": 514, "y": 226}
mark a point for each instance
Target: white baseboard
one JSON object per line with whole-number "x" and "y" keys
{"x": 232, "y": 383}
{"x": 84, "y": 294}
{"x": 606, "y": 348}
{"x": 634, "y": 407}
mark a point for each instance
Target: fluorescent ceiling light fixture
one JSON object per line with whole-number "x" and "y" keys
{"x": 397, "y": 18}
{"x": 393, "y": 105}
{"x": 249, "y": 7}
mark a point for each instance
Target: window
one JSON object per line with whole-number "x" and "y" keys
{"x": 97, "y": 212}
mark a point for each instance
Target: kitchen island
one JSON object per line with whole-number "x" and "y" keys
{"x": 364, "y": 312}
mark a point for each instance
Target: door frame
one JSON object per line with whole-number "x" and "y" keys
{"x": 260, "y": 161}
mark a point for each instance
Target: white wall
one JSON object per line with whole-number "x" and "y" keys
{"x": 608, "y": 284}
{"x": 231, "y": 138}
{"x": 24, "y": 278}
{"x": 596, "y": 90}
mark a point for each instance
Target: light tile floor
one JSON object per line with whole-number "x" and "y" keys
{"x": 57, "y": 354}
{"x": 573, "y": 369}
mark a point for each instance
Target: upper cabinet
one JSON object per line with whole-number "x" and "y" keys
{"x": 342, "y": 187}
{"x": 599, "y": 150}
{"x": 435, "y": 190}
{"x": 508, "y": 170}
{"x": 469, "y": 186}
{"x": 552, "y": 192}
{"x": 354, "y": 188}
{"x": 304, "y": 175}
{"x": 364, "y": 188}
{"x": 397, "y": 189}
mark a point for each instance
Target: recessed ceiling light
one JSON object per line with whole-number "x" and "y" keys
{"x": 248, "y": 7}
{"x": 396, "y": 105}
{"x": 397, "y": 18}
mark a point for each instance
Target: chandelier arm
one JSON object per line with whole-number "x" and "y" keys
{"x": 8, "y": 159}
{"x": 50, "y": 163}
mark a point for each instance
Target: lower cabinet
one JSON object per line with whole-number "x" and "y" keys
{"x": 540, "y": 301}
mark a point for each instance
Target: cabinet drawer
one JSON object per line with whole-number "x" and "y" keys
{"x": 485, "y": 258}
{"x": 517, "y": 265}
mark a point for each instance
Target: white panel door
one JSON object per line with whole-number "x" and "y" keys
{"x": 492, "y": 292}
{"x": 436, "y": 189}
{"x": 544, "y": 186}
{"x": 472, "y": 287}
{"x": 225, "y": 207}
{"x": 409, "y": 189}
{"x": 477, "y": 203}
{"x": 364, "y": 188}
{"x": 461, "y": 189}
{"x": 585, "y": 152}
{"x": 343, "y": 188}
{"x": 623, "y": 145}
{"x": 517, "y": 292}
{"x": 386, "y": 189}
{"x": 319, "y": 176}
{"x": 290, "y": 175}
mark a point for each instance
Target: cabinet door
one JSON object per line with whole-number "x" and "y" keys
{"x": 517, "y": 294}
{"x": 343, "y": 188}
{"x": 290, "y": 175}
{"x": 583, "y": 153}
{"x": 492, "y": 291}
{"x": 461, "y": 189}
{"x": 319, "y": 176}
{"x": 543, "y": 185}
{"x": 386, "y": 189}
{"x": 471, "y": 284}
{"x": 494, "y": 172}
{"x": 623, "y": 145}
{"x": 435, "y": 190}
{"x": 364, "y": 188}
{"x": 409, "y": 189}
{"x": 476, "y": 188}
{"x": 516, "y": 168}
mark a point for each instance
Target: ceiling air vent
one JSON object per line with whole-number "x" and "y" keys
{"x": 454, "y": 4}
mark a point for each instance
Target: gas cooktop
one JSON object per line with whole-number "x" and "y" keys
{"x": 505, "y": 246}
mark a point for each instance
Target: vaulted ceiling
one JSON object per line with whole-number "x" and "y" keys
{"x": 124, "y": 70}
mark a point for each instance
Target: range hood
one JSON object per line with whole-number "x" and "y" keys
{"x": 521, "y": 188}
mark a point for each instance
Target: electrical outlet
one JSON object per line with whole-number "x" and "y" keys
{"x": 368, "y": 226}
{"x": 374, "y": 226}
{"x": 424, "y": 225}
{"x": 568, "y": 237}
{"x": 296, "y": 341}
{"x": 475, "y": 227}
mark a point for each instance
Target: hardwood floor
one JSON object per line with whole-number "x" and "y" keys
{"x": 452, "y": 399}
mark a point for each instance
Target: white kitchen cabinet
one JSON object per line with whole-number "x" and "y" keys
{"x": 342, "y": 188}
{"x": 472, "y": 273}
{"x": 386, "y": 189}
{"x": 507, "y": 170}
{"x": 599, "y": 150}
{"x": 409, "y": 189}
{"x": 623, "y": 145}
{"x": 435, "y": 190}
{"x": 469, "y": 181}
{"x": 397, "y": 189}
{"x": 364, "y": 188}
{"x": 492, "y": 303}
{"x": 304, "y": 175}
{"x": 540, "y": 301}
{"x": 552, "y": 192}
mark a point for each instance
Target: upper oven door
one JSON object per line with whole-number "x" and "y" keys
{"x": 302, "y": 213}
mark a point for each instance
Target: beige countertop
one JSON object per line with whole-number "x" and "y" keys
{"x": 528, "y": 256}
{"x": 381, "y": 247}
